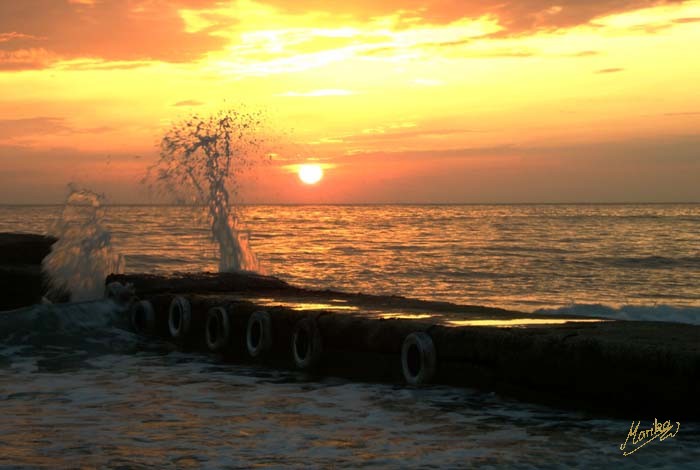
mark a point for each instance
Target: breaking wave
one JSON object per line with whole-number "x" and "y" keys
{"x": 199, "y": 163}
{"x": 665, "y": 313}
{"x": 649, "y": 262}
{"x": 83, "y": 256}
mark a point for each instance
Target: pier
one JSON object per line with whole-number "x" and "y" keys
{"x": 621, "y": 368}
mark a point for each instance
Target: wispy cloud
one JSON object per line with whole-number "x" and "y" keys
{"x": 188, "y": 103}
{"x": 15, "y": 36}
{"x": 686, "y": 20}
{"x": 686, "y": 113}
{"x": 316, "y": 93}
{"x": 90, "y": 64}
{"x": 399, "y": 133}
{"x": 584, "y": 54}
{"x": 25, "y": 59}
{"x": 610, "y": 70}
{"x": 13, "y": 129}
{"x": 514, "y": 16}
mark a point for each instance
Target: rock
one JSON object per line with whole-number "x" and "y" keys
{"x": 21, "y": 280}
{"x": 21, "y": 285}
{"x": 24, "y": 248}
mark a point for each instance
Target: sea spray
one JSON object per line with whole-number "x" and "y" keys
{"x": 200, "y": 159}
{"x": 83, "y": 256}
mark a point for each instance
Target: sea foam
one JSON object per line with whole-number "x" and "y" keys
{"x": 83, "y": 256}
{"x": 665, "y": 313}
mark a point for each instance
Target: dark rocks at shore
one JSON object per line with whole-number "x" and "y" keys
{"x": 24, "y": 248}
{"x": 21, "y": 278}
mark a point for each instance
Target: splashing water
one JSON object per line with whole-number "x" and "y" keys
{"x": 199, "y": 161}
{"x": 83, "y": 256}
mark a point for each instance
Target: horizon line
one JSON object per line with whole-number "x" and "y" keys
{"x": 537, "y": 203}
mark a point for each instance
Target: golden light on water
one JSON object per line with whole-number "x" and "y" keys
{"x": 310, "y": 174}
{"x": 523, "y": 322}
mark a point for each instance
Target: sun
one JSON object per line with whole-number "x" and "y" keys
{"x": 310, "y": 174}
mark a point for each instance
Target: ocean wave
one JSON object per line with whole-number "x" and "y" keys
{"x": 70, "y": 324}
{"x": 665, "y": 313}
{"x": 649, "y": 262}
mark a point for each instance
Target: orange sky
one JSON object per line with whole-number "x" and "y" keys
{"x": 401, "y": 101}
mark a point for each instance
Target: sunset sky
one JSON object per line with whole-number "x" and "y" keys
{"x": 399, "y": 101}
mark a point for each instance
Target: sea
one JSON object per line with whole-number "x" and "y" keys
{"x": 78, "y": 390}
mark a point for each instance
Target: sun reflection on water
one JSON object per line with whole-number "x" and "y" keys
{"x": 523, "y": 322}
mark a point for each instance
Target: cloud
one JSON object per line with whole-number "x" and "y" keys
{"x": 91, "y": 64}
{"x": 37, "y": 33}
{"x": 680, "y": 149}
{"x": 25, "y": 59}
{"x": 14, "y": 36}
{"x": 515, "y": 16}
{"x": 106, "y": 29}
{"x": 12, "y": 129}
{"x": 399, "y": 133}
{"x": 318, "y": 93}
{"x": 610, "y": 70}
{"x": 585, "y": 54}
{"x": 686, "y": 20}
{"x": 188, "y": 103}
{"x": 482, "y": 50}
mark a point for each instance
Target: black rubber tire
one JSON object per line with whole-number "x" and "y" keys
{"x": 258, "y": 338}
{"x": 218, "y": 329}
{"x": 418, "y": 358}
{"x": 306, "y": 344}
{"x": 142, "y": 317}
{"x": 179, "y": 318}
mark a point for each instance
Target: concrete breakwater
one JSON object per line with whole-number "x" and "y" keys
{"x": 619, "y": 368}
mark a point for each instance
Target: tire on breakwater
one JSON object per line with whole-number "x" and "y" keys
{"x": 418, "y": 358}
{"x": 143, "y": 317}
{"x": 259, "y": 334}
{"x": 218, "y": 329}
{"x": 306, "y": 344}
{"x": 238, "y": 313}
{"x": 180, "y": 318}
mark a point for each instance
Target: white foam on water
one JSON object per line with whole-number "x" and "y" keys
{"x": 68, "y": 318}
{"x": 83, "y": 256}
{"x": 199, "y": 162}
{"x": 664, "y": 313}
